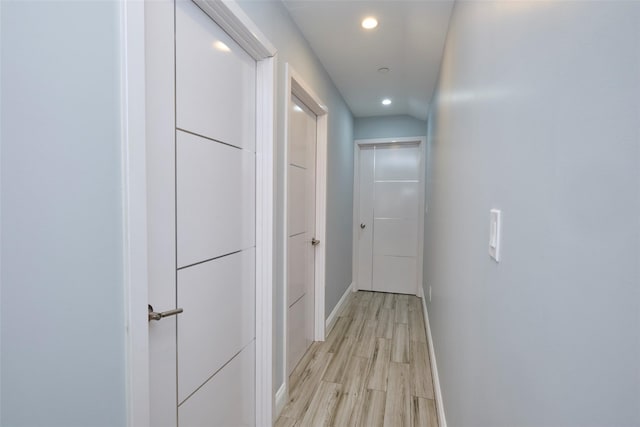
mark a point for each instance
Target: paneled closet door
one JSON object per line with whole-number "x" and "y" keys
{"x": 390, "y": 184}
{"x": 301, "y": 219}
{"x": 208, "y": 185}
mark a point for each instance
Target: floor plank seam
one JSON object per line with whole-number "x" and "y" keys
{"x": 373, "y": 369}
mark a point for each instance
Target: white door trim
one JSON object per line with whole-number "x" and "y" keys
{"x": 265, "y": 194}
{"x": 422, "y": 141}
{"x": 239, "y": 26}
{"x": 296, "y": 86}
{"x": 134, "y": 178}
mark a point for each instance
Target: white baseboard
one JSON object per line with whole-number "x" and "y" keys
{"x": 281, "y": 400}
{"x": 442, "y": 420}
{"x": 331, "y": 320}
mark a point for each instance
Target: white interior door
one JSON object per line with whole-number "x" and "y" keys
{"x": 301, "y": 230}
{"x": 390, "y": 195}
{"x": 202, "y": 188}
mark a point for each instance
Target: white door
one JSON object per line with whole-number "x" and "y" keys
{"x": 201, "y": 101}
{"x": 389, "y": 209}
{"x": 301, "y": 230}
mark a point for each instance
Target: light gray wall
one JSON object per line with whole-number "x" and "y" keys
{"x": 274, "y": 21}
{"x": 537, "y": 113}
{"x": 388, "y": 127}
{"x": 62, "y": 333}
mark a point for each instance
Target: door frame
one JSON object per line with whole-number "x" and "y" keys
{"x": 358, "y": 143}
{"x": 296, "y": 86}
{"x": 231, "y": 18}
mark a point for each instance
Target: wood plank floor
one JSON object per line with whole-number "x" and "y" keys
{"x": 373, "y": 369}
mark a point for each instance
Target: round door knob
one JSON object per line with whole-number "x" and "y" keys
{"x": 362, "y": 226}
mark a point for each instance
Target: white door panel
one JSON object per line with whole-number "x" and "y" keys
{"x": 297, "y": 200}
{"x": 300, "y": 229}
{"x": 227, "y": 399}
{"x": 396, "y": 199}
{"x": 215, "y": 81}
{"x": 218, "y": 298}
{"x": 390, "y": 193}
{"x": 298, "y": 249}
{"x": 397, "y": 237}
{"x": 216, "y": 199}
{"x": 297, "y": 339}
{"x": 394, "y": 274}
{"x": 397, "y": 162}
{"x": 161, "y": 220}
{"x": 201, "y": 109}
{"x": 297, "y": 132}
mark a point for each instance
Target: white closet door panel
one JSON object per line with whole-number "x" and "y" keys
{"x": 365, "y": 235}
{"x": 394, "y": 274}
{"x": 297, "y": 340}
{"x": 227, "y": 399}
{"x": 298, "y": 248}
{"x": 218, "y": 298}
{"x": 397, "y": 162}
{"x": 298, "y": 198}
{"x": 396, "y": 237}
{"x": 397, "y": 199}
{"x": 215, "y": 81}
{"x": 216, "y": 199}
{"x": 298, "y": 133}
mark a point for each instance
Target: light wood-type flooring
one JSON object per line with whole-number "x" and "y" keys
{"x": 373, "y": 369}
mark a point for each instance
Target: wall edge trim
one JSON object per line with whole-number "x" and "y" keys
{"x": 333, "y": 316}
{"x": 442, "y": 420}
{"x": 281, "y": 400}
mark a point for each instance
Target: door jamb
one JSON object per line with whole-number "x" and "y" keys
{"x": 134, "y": 210}
{"x": 296, "y": 86}
{"x": 235, "y": 22}
{"x": 422, "y": 141}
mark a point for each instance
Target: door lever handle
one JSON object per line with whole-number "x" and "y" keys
{"x": 315, "y": 242}
{"x": 157, "y": 316}
{"x": 363, "y": 226}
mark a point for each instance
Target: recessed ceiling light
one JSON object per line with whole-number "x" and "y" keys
{"x": 386, "y": 101}
{"x": 384, "y": 70}
{"x": 369, "y": 23}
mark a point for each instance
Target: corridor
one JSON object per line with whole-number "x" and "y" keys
{"x": 373, "y": 369}
{"x": 191, "y": 190}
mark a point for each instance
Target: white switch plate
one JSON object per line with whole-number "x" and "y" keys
{"x": 494, "y": 234}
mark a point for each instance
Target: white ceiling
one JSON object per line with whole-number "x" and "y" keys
{"x": 409, "y": 40}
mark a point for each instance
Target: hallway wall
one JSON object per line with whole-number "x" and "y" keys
{"x": 274, "y": 20}
{"x": 537, "y": 113}
{"x": 62, "y": 286}
{"x": 388, "y": 127}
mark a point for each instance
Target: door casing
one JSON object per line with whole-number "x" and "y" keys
{"x": 235, "y": 22}
{"x": 422, "y": 142}
{"x": 297, "y": 87}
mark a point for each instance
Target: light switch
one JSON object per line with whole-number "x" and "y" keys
{"x": 494, "y": 234}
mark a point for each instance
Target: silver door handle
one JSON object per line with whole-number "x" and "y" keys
{"x": 153, "y": 315}
{"x": 315, "y": 242}
{"x": 363, "y": 226}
